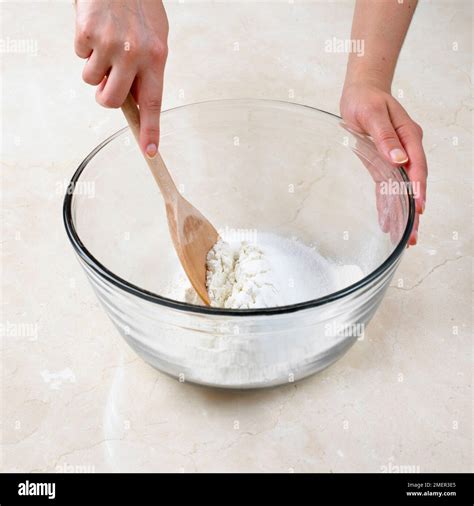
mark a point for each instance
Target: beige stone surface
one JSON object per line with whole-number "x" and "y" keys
{"x": 75, "y": 398}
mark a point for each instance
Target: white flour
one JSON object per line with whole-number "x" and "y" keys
{"x": 275, "y": 271}
{"x": 241, "y": 277}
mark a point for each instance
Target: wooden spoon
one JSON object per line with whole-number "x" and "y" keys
{"x": 193, "y": 236}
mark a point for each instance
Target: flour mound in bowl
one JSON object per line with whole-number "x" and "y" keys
{"x": 241, "y": 277}
{"x": 271, "y": 271}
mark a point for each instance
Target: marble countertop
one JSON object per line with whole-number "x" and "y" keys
{"x": 76, "y": 398}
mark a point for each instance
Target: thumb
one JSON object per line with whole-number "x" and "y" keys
{"x": 150, "y": 108}
{"x": 385, "y": 137}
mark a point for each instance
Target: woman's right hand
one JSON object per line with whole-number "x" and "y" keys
{"x": 125, "y": 44}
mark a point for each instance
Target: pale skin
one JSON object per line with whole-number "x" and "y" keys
{"x": 367, "y": 104}
{"x": 125, "y": 44}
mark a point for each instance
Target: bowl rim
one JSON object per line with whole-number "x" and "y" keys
{"x": 110, "y": 277}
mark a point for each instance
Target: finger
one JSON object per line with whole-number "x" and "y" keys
{"x": 398, "y": 217}
{"x": 389, "y": 209}
{"x": 370, "y": 161}
{"x": 82, "y": 42}
{"x": 410, "y": 135}
{"x": 370, "y": 158}
{"x": 113, "y": 92}
{"x": 382, "y": 208}
{"x": 95, "y": 69}
{"x": 385, "y": 137}
{"x": 101, "y": 85}
{"x": 413, "y": 239}
{"x": 149, "y": 100}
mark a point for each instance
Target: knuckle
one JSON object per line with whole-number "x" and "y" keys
{"x": 152, "y": 105}
{"x": 91, "y": 76}
{"x": 84, "y": 33}
{"x": 410, "y": 130}
{"x": 158, "y": 51}
{"x": 386, "y": 134}
{"x": 79, "y": 51}
{"x": 88, "y": 78}
{"x": 418, "y": 129}
{"x": 152, "y": 131}
{"x": 109, "y": 101}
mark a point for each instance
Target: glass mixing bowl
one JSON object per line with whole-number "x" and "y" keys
{"x": 249, "y": 166}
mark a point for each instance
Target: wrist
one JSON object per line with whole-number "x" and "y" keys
{"x": 362, "y": 75}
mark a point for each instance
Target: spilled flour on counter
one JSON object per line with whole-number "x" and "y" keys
{"x": 274, "y": 271}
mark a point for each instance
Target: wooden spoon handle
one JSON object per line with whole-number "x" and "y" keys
{"x": 156, "y": 164}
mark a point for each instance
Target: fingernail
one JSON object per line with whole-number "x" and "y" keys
{"x": 422, "y": 207}
{"x": 416, "y": 236}
{"x": 398, "y": 156}
{"x": 151, "y": 150}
